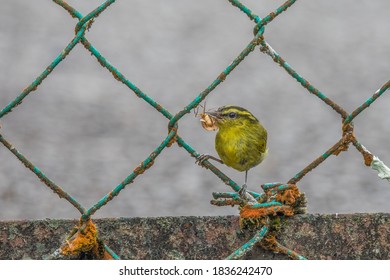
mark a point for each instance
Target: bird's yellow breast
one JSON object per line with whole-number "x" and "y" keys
{"x": 243, "y": 146}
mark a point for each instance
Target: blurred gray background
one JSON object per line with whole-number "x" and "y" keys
{"x": 87, "y": 132}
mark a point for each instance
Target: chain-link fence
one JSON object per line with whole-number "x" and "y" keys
{"x": 278, "y": 199}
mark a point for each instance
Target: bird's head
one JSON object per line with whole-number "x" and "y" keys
{"x": 232, "y": 116}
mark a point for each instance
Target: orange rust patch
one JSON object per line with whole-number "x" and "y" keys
{"x": 248, "y": 212}
{"x": 269, "y": 243}
{"x": 149, "y": 164}
{"x": 173, "y": 140}
{"x": 342, "y": 147}
{"x": 272, "y": 15}
{"x": 348, "y": 137}
{"x": 107, "y": 256}
{"x": 170, "y": 143}
{"x": 84, "y": 240}
{"x": 159, "y": 107}
{"x": 139, "y": 169}
{"x": 368, "y": 158}
{"x": 288, "y": 196}
{"x": 222, "y": 76}
{"x": 116, "y": 76}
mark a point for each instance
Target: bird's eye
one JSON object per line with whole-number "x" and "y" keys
{"x": 232, "y": 115}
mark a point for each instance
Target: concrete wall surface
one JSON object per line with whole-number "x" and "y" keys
{"x": 348, "y": 236}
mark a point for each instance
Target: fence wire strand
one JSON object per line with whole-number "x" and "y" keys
{"x": 271, "y": 189}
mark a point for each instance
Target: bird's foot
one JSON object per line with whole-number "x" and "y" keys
{"x": 242, "y": 191}
{"x": 245, "y": 195}
{"x": 202, "y": 158}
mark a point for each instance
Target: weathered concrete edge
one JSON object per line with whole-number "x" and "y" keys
{"x": 347, "y": 236}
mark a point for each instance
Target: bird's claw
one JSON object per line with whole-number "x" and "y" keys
{"x": 201, "y": 159}
{"x": 245, "y": 195}
{"x": 242, "y": 191}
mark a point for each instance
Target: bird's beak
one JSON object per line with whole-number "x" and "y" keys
{"x": 214, "y": 114}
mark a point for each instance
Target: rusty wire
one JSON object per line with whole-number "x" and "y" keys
{"x": 283, "y": 199}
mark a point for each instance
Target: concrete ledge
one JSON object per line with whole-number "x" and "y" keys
{"x": 350, "y": 236}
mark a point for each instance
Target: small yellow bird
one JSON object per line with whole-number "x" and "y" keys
{"x": 241, "y": 141}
